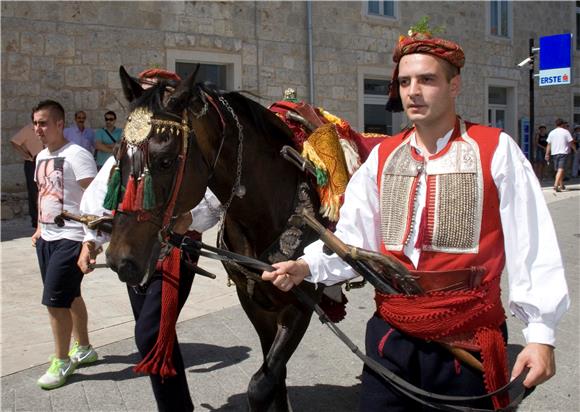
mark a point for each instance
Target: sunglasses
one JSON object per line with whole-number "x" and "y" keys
{"x": 109, "y": 119}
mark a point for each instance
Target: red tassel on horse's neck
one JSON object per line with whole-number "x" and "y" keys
{"x": 128, "y": 204}
{"x": 159, "y": 359}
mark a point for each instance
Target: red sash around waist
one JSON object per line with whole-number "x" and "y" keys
{"x": 442, "y": 316}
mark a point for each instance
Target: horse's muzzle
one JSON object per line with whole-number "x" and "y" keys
{"x": 127, "y": 270}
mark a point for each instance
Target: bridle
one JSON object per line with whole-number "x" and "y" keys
{"x": 136, "y": 135}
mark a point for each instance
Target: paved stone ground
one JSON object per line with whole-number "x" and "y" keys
{"x": 221, "y": 351}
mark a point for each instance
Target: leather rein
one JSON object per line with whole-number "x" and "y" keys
{"x": 433, "y": 400}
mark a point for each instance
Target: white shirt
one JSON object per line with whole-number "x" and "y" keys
{"x": 58, "y": 174}
{"x": 538, "y": 293}
{"x": 205, "y": 215}
{"x": 559, "y": 140}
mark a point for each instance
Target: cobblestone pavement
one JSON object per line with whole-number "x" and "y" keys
{"x": 220, "y": 347}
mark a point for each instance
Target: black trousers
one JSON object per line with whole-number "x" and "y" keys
{"x": 424, "y": 364}
{"x": 171, "y": 394}
{"x": 32, "y": 190}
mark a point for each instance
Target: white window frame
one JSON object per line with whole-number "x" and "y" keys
{"x": 511, "y": 121}
{"x": 510, "y": 21}
{"x": 232, "y": 61}
{"x": 380, "y": 74}
{"x": 381, "y": 14}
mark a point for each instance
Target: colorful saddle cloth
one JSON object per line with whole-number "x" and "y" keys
{"x": 335, "y": 149}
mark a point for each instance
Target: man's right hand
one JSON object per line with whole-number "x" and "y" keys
{"x": 287, "y": 274}
{"x": 35, "y": 236}
{"x": 88, "y": 257}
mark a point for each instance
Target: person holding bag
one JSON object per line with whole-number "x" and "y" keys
{"x": 106, "y": 139}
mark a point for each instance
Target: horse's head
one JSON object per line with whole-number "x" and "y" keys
{"x": 159, "y": 173}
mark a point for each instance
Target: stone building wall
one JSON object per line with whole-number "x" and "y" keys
{"x": 71, "y": 52}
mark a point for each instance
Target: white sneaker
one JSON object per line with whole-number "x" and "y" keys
{"x": 83, "y": 355}
{"x": 56, "y": 375}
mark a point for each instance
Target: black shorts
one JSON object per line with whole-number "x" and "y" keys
{"x": 61, "y": 275}
{"x": 559, "y": 161}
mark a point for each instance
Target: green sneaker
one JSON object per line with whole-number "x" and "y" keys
{"x": 83, "y": 355}
{"x": 56, "y": 375}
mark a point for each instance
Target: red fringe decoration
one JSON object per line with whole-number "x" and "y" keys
{"x": 495, "y": 374}
{"x": 159, "y": 360}
{"x": 336, "y": 311}
{"x": 438, "y": 315}
{"x": 128, "y": 204}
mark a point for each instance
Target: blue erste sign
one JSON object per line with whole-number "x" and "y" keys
{"x": 555, "y": 59}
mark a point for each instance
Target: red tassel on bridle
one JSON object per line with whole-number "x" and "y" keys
{"x": 159, "y": 359}
{"x": 140, "y": 193}
{"x": 129, "y": 197}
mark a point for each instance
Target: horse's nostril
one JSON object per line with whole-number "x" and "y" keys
{"x": 129, "y": 272}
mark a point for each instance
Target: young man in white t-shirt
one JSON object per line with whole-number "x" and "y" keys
{"x": 560, "y": 142}
{"x": 63, "y": 171}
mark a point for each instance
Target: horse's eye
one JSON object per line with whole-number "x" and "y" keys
{"x": 164, "y": 163}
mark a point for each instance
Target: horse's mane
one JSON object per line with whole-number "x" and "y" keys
{"x": 266, "y": 122}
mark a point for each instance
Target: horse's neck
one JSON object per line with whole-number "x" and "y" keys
{"x": 270, "y": 184}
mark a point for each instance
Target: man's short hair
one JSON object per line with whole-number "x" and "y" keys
{"x": 450, "y": 70}
{"x": 542, "y": 126}
{"x": 55, "y": 108}
{"x": 112, "y": 113}
{"x": 560, "y": 122}
{"x": 79, "y": 112}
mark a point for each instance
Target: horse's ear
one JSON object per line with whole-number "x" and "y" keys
{"x": 184, "y": 92}
{"x": 131, "y": 88}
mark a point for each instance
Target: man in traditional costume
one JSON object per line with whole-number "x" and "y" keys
{"x": 455, "y": 202}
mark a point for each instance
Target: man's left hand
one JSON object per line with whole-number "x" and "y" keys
{"x": 182, "y": 223}
{"x": 541, "y": 361}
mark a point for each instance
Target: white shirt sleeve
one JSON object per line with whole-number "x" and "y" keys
{"x": 538, "y": 294}
{"x": 358, "y": 226}
{"x": 93, "y": 198}
{"x": 83, "y": 164}
{"x": 207, "y": 213}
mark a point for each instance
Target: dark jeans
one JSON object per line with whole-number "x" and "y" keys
{"x": 424, "y": 364}
{"x": 171, "y": 394}
{"x": 32, "y": 189}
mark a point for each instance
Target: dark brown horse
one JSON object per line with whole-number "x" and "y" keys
{"x": 195, "y": 137}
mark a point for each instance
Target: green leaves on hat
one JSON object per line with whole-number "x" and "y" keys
{"x": 422, "y": 27}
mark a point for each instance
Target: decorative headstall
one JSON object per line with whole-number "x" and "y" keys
{"x": 139, "y": 196}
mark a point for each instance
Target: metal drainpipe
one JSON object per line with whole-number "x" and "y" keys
{"x": 310, "y": 51}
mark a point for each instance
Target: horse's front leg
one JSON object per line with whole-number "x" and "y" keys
{"x": 267, "y": 389}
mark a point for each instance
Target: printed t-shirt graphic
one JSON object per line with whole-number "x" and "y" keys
{"x": 49, "y": 176}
